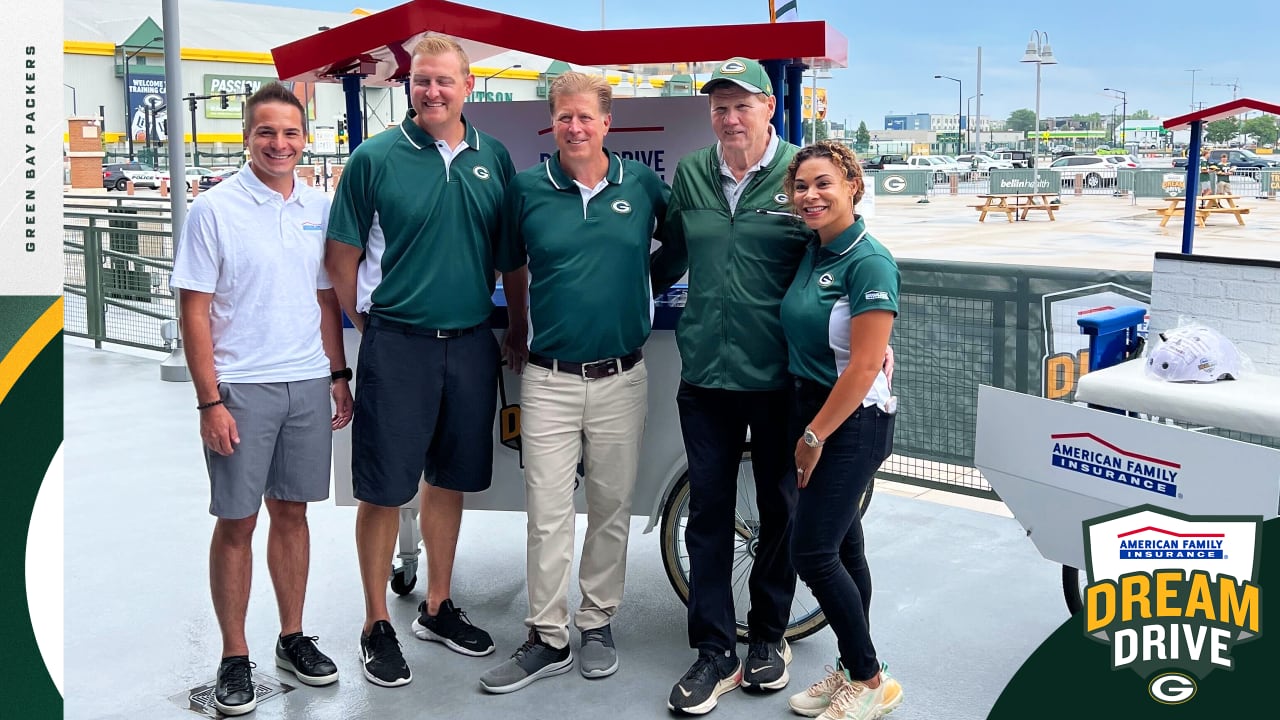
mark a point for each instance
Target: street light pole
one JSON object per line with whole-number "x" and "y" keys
{"x": 1124, "y": 113}
{"x": 959, "y": 110}
{"x": 1193, "y": 72}
{"x": 128, "y": 111}
{"x": 968, "y": 108}
{"x": 73, "y": 98}
{"x": 1038, "y": 52}
{"x": 509, "y": 67}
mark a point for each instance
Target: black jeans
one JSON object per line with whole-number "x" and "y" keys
{"x": 714, "y": 423}
{"x": 828, "y": 547}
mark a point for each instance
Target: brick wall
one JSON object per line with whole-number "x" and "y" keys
{"x": 1238, "y": 298}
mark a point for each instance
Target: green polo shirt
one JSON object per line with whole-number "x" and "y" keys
{"x": 428, "y": 232}
{"x": 854, "y": 273}
{"x": 589, "y": 292}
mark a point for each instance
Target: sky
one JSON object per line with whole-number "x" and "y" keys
{"x": 1146, "y": 50}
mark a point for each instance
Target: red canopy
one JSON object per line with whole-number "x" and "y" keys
{"x": 1218, "y": 112}
{"x": 379, "y": 46}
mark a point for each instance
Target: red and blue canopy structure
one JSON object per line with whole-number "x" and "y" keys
{"x": 1196, "y": 121}
{"x": 376, "y": 50}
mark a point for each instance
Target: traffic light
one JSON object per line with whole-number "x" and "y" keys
{"x": 222, "y": 100}
{"x": 342, "y": 126}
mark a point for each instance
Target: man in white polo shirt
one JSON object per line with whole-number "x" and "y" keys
{"x": 263, "y": 339}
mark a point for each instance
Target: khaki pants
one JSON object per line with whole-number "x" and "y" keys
{"x": 564, "y": 418}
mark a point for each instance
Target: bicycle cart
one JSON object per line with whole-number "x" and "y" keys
{"x": 662, "y": 485}
{"x": 1058, "y": 464}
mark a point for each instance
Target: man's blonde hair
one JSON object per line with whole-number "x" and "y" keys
{"x": 432, "y": 45}
{"x": 576, "y": 83}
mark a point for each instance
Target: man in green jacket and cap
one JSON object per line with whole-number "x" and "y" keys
{"x": 730, "y": 224}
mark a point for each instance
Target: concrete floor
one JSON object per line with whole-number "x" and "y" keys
{"x": 962, "y": 597}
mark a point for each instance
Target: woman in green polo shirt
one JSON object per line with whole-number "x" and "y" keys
{"x": 837, "y": 316}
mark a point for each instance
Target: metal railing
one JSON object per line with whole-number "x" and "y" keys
{"x": 116, "y": 267}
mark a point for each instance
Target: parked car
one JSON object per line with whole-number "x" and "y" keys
{"x": 1124, "y": 161}
{"x": 193, "y": 174}
{"x": 116, "y": 176}
{"x": 941, "y": 166}
{"x": 880, "y": 161}
{"x": 1234, "y": 158}
{"x": 982, "y": 163}
{"x": 1097, "y": 170}
{"x": 211, "y": 180}
{"x": 1019, "y": 158}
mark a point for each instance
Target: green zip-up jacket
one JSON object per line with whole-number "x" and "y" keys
{"x": 740, "y": 265}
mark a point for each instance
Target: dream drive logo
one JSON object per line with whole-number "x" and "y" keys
{"x": 1172, "y": 594}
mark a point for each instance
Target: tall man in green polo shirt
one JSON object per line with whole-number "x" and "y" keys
{"x": 730, "y": 224}
{"x": 584, "y": 220}
{"x": 411, "y": 255}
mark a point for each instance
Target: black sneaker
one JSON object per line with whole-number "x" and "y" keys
{"x": 535, "y": 659}
{"x": 298, "y": 654}
{"x": 451, "y": 627}
{"x": 235, "y": 694}
{"x": 381, "y": 657}
{"x": 712, "y": 675}
{"x": 766, "y": 666}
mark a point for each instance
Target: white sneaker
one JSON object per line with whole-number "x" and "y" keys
{"x": 813, "y": 700}
{"x": 855, "y": 701}
{"x": 891, "y": 695}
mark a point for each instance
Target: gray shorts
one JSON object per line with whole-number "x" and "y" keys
{"x": 285, "y": 446}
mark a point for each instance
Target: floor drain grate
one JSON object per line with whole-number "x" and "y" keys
{"x": 199, "y": 699}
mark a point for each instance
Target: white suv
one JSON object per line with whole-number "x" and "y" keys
{"x": 1096, "y": 170}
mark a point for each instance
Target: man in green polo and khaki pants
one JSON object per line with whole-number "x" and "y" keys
{"x": 583, "y": 220}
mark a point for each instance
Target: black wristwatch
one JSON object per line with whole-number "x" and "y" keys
{"x": 343, "y": 374}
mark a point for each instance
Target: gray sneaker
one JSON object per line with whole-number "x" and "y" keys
{"x": 535, "y": 659}
{"x": 598, "y": 657}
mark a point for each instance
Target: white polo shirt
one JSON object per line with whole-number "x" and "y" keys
{"x": 732, "y": 187}
{"x": 262, "y": 257}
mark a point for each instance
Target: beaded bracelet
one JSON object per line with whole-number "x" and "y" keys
{"x": 208, "y": 405}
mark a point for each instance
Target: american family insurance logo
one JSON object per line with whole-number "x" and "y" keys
{"x": 1088, "y": 454}
{"x": 1172, "y": 594}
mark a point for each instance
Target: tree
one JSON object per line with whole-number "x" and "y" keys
{"x": 1139, "y": 115}
{"x": 1020, "y": 120}
{"x": 1221, "y": 131}
{"x": 862, "y": 138}
{"x": 807, "y": 126}
{"x": 1263, "y": 129}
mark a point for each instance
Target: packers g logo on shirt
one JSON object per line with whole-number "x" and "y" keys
{"x": 826, "y": 280}
{"x": 481, "y": 172}
{"x": 622, "y": 207}
{"x": 780, "y": 198}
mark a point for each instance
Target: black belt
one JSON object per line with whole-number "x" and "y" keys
{"x": 384, "y": 324}
{"x": 592, "y": 370}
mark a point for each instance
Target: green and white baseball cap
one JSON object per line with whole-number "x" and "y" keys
{"x": 743, "y": 72}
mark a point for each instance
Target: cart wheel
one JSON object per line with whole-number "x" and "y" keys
{"x": 1072, "y": 590}
{"x": 403, "y": 581}
{"x": 806, "y": 617}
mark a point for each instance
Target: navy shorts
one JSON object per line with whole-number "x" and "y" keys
{"x": 424, "y": 408}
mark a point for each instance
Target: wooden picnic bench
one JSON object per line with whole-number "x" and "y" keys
{"x": 1207, "y": 205}
{"x": 1017, "y": 205}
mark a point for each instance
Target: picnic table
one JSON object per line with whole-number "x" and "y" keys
{"x": 1017, "y": 205}
{"x": 1208, "y": 205}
